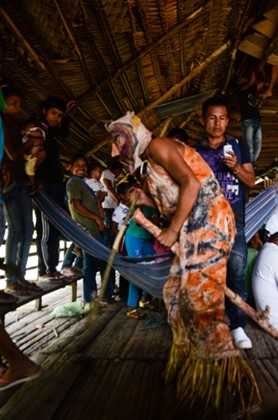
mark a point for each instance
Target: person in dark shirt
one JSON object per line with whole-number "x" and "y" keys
{"x": 55, "y": 125}
{"x": 17, "y": 204}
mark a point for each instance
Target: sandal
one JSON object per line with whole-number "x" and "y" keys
{"x": 146, "y": 305}
{"x": 8, "y": 383}
{"x": 55, "y": 278}
{"x": 30, "y": 286}
{"x": 6, "y": 298}
{"x": 134, "y": 313}
{"x": 58, "y": 276}
{"x": 16, "y": 289}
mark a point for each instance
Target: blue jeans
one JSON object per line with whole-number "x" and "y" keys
{"x": 137, "y": 247}
{"x": 252, "y": 133}
{"x": 236, "y": 276}
{"x": 91, "y": 266}
{"x": 71, "y": 259}
{"x": 18, "y": 212}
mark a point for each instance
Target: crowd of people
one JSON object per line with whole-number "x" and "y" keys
{"x": 200, "y": 192}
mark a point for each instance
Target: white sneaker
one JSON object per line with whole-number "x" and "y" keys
{"x": 240, "y": 339}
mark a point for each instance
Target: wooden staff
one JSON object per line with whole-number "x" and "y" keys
{"x": 95, "y": 308}
{"x": 260, "y": 319}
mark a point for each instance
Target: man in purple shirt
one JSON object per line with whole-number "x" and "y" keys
{"x": 233, "y": 172}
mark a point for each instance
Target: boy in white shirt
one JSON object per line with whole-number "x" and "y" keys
{"x": 121, "y": 210}
{"x": 109, "y": 178}
{"x": 93, "y": 181}
{"x": 94, "y": 174}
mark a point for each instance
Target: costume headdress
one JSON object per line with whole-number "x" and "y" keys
{"x": 131, "y": 138}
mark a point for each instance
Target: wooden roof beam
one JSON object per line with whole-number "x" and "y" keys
{"x": 67, "y": 28}
{"x": 98, "y": 146}
{"x": 24, "y": 41}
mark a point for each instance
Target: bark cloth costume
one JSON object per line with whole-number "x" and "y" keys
{"x": 211, "y": 374}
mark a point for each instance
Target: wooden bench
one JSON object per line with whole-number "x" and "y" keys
{"x": 47, "y": 288}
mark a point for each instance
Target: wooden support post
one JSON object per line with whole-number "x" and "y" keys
{"x": 74, "y": 291}
{"x": 38, "y": 304}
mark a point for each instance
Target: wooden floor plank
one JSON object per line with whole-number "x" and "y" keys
{"x": 40, "y": 398}
{"x": 111, "y": 371}
{"x": 118, "y": 390}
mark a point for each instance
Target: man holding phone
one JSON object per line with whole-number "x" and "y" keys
{"x": 229, "y": 158}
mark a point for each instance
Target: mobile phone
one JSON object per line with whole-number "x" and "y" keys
{"x": 227, "y": 148}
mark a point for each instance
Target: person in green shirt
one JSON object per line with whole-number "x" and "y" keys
{"x": 84, "y": 209}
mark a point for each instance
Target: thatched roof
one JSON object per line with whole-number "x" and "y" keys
{"x": 111, "y": 56}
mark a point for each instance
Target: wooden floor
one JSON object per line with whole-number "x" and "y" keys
{"x": 113, "y": 370}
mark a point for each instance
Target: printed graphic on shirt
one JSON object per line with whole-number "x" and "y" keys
{"x": 229, "y": 183}
{"x": 252, "y": 100}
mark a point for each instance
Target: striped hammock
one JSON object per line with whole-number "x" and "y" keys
{"x": 148, "y": 273}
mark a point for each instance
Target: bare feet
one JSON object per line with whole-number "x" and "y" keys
{"x": 265, "y": 94}
{"x": 16, "y": 375}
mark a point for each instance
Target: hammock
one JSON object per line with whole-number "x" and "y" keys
{"x": 145, "y": 272}
{"x": 148, "y": 273}
{"x": 259, "y": 210}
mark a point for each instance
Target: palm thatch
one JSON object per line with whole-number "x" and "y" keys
{"x": 111, "y": 56}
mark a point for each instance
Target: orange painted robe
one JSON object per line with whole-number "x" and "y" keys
{"x": 194, "y": 292}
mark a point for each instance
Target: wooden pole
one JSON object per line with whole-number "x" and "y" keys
{"x": 97, "y": 147}
{"x": 164, "y": 127}
{"x": 18, "y": 34}
{"x": 260, "y": 319}
{"x": 67, "y": 28}
{"x": 236, "y": 43}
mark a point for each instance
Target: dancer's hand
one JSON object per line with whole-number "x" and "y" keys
{"x": 168, "y": 237}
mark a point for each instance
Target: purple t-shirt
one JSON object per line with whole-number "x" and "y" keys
{"x": 232, "y": 187}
